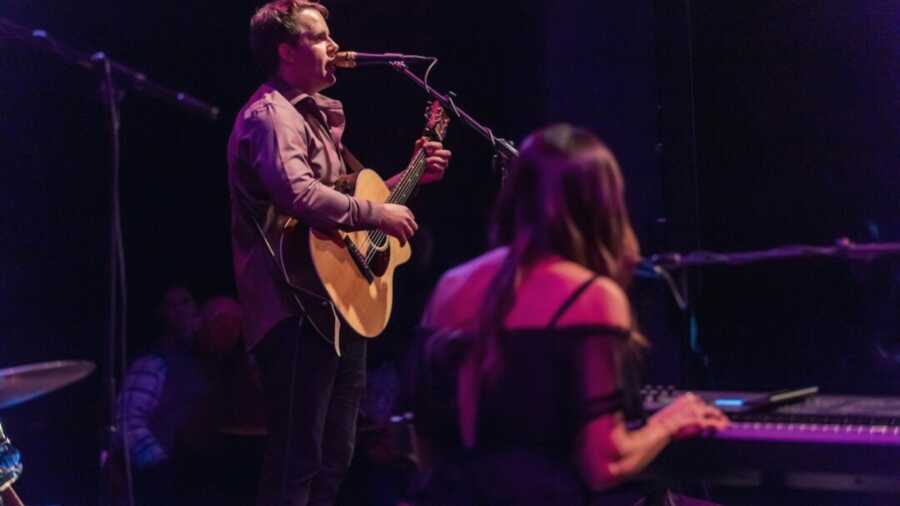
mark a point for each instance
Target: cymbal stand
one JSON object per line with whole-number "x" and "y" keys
{"x": 108, "y": 71}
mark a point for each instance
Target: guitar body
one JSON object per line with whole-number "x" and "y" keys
{"x": 353, "y": 272}
{"x": 364, "y": 305}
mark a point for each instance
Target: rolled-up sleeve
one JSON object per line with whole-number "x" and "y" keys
{"x": 277, "y": 149}
{"x": 138, "y": 401}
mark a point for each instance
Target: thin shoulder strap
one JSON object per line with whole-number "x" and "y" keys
{"x": 572, "y": 298}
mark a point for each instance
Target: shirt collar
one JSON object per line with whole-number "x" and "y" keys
{"x": 332, "y": 109}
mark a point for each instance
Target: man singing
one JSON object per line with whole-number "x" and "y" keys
{"x": 284, "y": 156}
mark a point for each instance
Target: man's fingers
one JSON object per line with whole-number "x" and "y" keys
{"x": 409, "y": 226}
{"x": 442, "y": 153}
{"x": 413, "y": 226}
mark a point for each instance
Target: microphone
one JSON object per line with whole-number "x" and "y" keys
{"x": 351, "y": 59}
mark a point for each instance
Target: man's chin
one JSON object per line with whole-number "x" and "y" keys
{"x": 325, "y": 81}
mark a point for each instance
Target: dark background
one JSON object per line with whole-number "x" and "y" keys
{"x": 739, "y": 125}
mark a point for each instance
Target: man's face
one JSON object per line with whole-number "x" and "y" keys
{"x": 180, "y": 313}
{"x": 308, "y": 62}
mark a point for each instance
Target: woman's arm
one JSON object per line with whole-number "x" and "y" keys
{"x": 608, "y": 453}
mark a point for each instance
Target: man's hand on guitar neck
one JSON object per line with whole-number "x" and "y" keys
{"x": 436, "y": 161}
{"x": 397, "y": 220}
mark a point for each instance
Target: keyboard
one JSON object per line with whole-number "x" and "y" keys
{"x": 827, "y": 419}
{"x": 820, "y": 442}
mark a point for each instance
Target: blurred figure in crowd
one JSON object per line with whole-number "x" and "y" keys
{"x": 171, "y": 403}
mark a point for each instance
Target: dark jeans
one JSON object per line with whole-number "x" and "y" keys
{"x": 182, "y": 482}
{"x": 155, "y": 485}
{"x": 312, "y": 400}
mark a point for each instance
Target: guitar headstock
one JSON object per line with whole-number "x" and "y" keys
{"x": 436, "y": 121}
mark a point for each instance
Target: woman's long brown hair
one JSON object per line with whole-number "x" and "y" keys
{"x": 565, "y": 196}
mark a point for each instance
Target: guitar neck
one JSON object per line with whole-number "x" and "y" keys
{"x": 401, "y": 193}
{"x": 435, "y": 129}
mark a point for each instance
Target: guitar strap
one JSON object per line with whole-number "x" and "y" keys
{"x": 344, "y": 183}
{"x": 335, "y": 338}
{"x": 351, "y": 161}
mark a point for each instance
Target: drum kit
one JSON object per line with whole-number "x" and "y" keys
{"x": 20, "y": 384}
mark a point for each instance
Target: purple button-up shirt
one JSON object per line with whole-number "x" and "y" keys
{"x": 284, "y": 155}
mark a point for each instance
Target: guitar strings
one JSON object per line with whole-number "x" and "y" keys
{"x": 401, "y": 193}
{"x": 375, "y": 239}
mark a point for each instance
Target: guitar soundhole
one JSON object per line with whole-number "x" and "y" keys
{"x": 379, "y": 263}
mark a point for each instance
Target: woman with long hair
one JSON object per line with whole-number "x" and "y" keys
{"x": 530, "y": 356}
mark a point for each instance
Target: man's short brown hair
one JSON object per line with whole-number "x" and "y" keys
{"x": 273, "y": 24}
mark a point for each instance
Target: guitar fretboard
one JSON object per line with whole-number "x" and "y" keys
{"x": 404, "y": 189}
{"x": 410, "y": 179}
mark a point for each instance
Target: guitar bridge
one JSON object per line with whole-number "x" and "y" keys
{"x": 359, "y": 260}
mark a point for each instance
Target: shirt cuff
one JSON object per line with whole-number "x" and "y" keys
{"x": 370, "y": 213}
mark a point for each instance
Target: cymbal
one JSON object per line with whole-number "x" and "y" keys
{"x": 25, "y": 382}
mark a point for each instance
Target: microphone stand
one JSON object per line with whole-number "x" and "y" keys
{"x": 659, "y": 265}
{"x": 139, "y": 81}
{"x": 843, "y": 248}
{"x": 504, "y": 151}
{"x": 108, "y": 71}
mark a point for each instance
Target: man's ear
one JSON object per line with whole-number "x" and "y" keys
{"x": 286, "y": 52}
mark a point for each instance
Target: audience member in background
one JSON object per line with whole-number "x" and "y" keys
{"x": 531, "y": 346}
{"x": 170, "y": 406}
{"x": 242, "y": 428}
{"x": 220, "y": 337}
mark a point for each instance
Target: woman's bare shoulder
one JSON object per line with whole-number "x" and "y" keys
{"x": 486, "y": 263}
{"x": 452, "y": 299}
{"x": 602, "y": 302}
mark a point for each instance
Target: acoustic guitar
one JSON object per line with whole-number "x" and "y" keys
{"x": 354, "y": 271}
